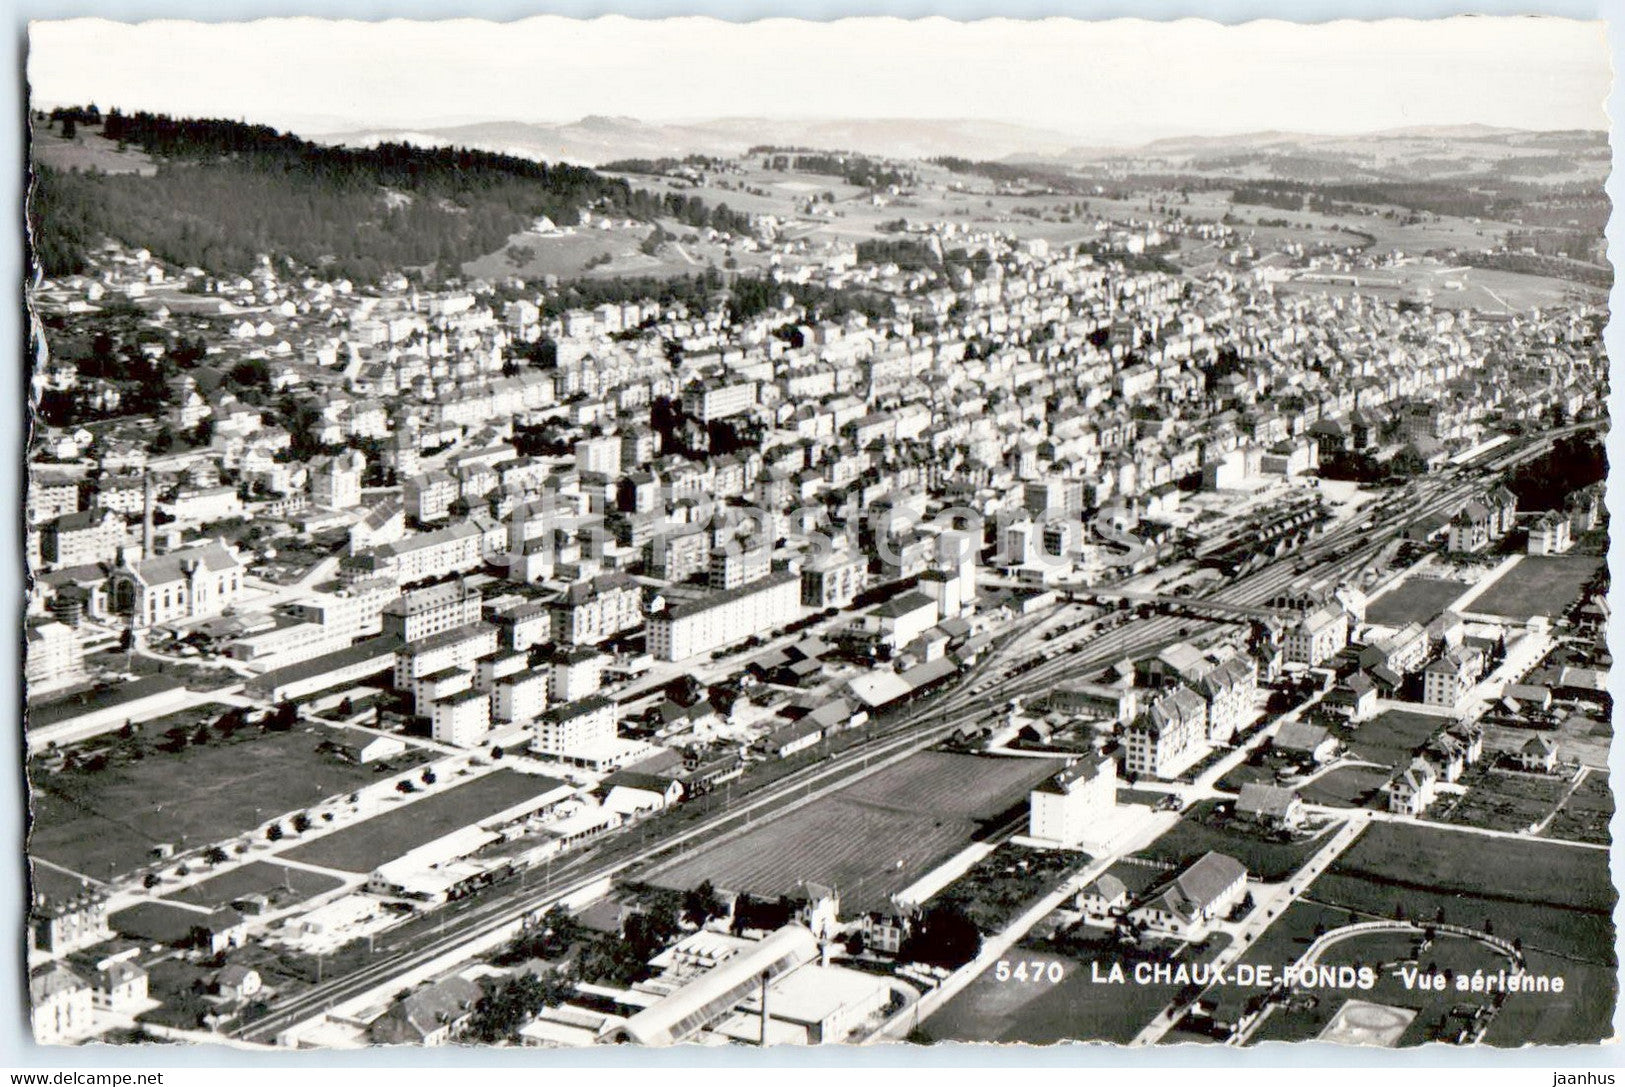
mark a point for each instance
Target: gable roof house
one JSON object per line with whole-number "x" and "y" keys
{"x": 429, "y": 1017}
{"x": 1182, "y": 906}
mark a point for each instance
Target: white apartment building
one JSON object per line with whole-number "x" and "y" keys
{"x": 1069, "y": 805}
{"x": 1318, "y": 636}
{"x": 55, "y": 656}
{"x": 458, "y": 648}
{"x": 721, "y": 619}
{"x": 575, "y": 673}
{"x": 1447, "y": 680}
{"x": 426, "y": 555}
{"x": 707, "y": 404}
{"x": 335, "y": 482}
{"x": 520, "y": 698}
{"x": 422, "y": 612}
{"x": 577, "y": 730}
{"x": 463, "y": 720}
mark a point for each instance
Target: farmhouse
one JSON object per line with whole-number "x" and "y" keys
{"x": 1356, "y": 694}
{"x": 1104, "y": 896}
{"x": 429, "y": 1017}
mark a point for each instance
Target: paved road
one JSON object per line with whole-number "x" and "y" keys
{"x": 989, "y": 683}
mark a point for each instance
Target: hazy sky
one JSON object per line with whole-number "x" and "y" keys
{"x": 1120, "y": 81}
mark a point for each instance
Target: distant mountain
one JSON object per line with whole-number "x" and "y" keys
{"x": 595, "y": 140}
{"x": 1425, "y": 152}
{"x": 1432, "y": 152}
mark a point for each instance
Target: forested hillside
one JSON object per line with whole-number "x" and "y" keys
{"x": 225, "y": 192}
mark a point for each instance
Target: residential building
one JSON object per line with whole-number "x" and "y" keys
{"x": 1072, "y": 804}
{"x": 1415, "y": 788}
{"x": 335, "y": 482}
{"x": 577, "y": 731}
{"x": 1551, "y": 534}
{"x": 721, "y": 619}
{"x": 1318, "y": 636}
{"x": 62, "y": 1005}
{"x": 833, "y": 581}
{"x": 430, "y": 496}
{"x": 520, "y": 698}
{"x": 83, "y": 538}
{"x": 419, "y": 613}
{"x": 1184, "y": 907}
{"x": 1170, "y": 737}
{"x": 1447, "y": 681}
{"x": 1270, "y": 806}
{"x": 594, "y": 611}
{"x": 462, "y": 720}
{"x": 431, "y": 1016}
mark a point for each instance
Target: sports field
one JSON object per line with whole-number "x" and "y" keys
{"x": 1539, "y": 585}
{"x": 872, "y": 839}
{"x": 383, "y": 838}
{"x": 104, "y": 816}
{"x": 1553, "y": 897}
{"x": 282, "y": 884}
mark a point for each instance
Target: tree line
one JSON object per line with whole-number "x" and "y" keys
{"x": 226, "y": 192}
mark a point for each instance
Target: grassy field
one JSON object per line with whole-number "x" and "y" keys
{"x": 1414, "y": 600}
{"x": 383, "y": 838}
{"x": 1554, "y": 898}
{"x": 1045, "y": 1012}
{"x": 1539, "y": 585}
{"x": 872, "y": 839}
{"x": 1586, "y": 816}
{"x": 105, "y": 821}
{"x": 282, "y": 884}
{"x": 1347, "y": 787}
{"x": 1582, "y": 1013}
{"x": 88, "y": 154}
{"x": 53, "y": 884}
{"x": 1202, "y": 829}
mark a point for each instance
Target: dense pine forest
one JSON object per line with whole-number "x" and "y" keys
{"x": 225, "y": 192}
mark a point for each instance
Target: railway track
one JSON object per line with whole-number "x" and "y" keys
{"x": 1333, "y": 556}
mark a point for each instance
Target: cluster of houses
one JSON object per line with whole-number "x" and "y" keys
{"x": 1180, "y": 907}
{"x": 502, "y": 514}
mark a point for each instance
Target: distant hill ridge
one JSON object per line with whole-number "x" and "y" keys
{"x": 227, "y": 192}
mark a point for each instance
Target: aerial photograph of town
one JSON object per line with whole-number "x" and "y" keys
{"x": 517, "y": 561}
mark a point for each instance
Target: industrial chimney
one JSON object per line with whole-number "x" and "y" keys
{"x": 146, "y": 515}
